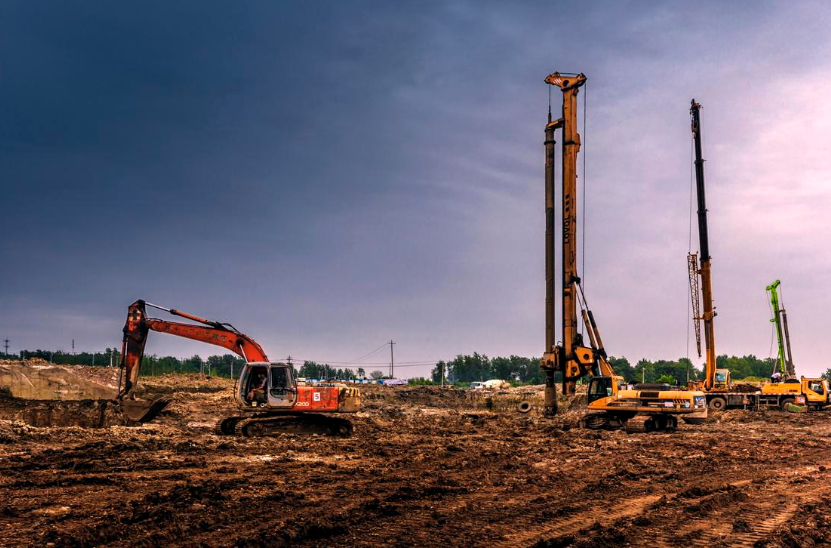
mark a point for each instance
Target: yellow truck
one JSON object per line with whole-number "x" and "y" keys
{"x": 805, "y": 391}
{"x": 813, "y": 392}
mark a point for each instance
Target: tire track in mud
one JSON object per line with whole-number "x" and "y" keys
{"x": 568, "y": 525}
{"x": 738, "y": 513}
{"x": 764, "y": 507}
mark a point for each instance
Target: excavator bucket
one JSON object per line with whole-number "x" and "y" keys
{"x": 83, "y": 413}
{"x": 143, "y": 411}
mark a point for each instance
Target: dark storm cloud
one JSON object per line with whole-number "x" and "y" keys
{"x": 330, "y": 175}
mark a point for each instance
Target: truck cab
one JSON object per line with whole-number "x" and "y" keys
{"x": 816, "y": 392}
{"x": 722, "y": 380}
{"x": 812, "y": 392}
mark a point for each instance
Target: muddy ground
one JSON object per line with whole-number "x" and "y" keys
{"x": 425, "y": 467}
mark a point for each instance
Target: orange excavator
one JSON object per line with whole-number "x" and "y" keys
{"x": 267, "y": 394}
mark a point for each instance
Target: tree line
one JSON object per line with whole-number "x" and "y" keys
{"x": 216, "y": 365}
{"x": 314, "y": 370}
{"x": 478, "y": 367}
{"x": 462, "y": 369}
{"x": 150, "y": 365}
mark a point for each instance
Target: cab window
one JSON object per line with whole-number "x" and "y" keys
{"x": 721, "y": 376}
{"x": 279, "y": 378}
{"x": 600, "y": 387}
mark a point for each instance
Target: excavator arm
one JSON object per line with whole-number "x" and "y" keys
{"x": 138, "y": 325}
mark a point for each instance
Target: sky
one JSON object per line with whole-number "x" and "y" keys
{"x": 328, "y": 176}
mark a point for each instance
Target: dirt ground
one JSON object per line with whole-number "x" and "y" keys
{"x": 425, "y": 467}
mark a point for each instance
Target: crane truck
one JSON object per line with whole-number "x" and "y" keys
{"x": 267, "y": 395}
{"x": 813, "y": 392}
{"x": 650, "y": 407}
{"x": 721, "y": 392}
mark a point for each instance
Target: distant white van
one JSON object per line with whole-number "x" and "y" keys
{"x": 491, "y": 384}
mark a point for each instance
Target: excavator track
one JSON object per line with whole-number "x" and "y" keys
{"x": 652, "y": 423}
{"x": 639, "y": 424}
{"x": 267, "y": 424}
{"x": 594, "y": 421}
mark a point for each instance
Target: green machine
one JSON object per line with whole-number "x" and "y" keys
{"x": 784, "y": 363}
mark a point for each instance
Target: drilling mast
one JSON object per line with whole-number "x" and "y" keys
{"x": 704, "y": 260}
{"x": 780, "y": 319}
{"x": 571, "y": 358}
{"x": 609, "y": 405}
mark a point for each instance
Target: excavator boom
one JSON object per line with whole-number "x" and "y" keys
{"x": 138, "y": 325}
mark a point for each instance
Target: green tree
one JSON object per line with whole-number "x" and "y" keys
{"x": 622, "y": 367}
{"x": 530, "y": 371}
{"x": 503, "y": 368}
{"x": 644, "y": 371}
{"x": 310, "y": 370}
{"x": 419, "y": 381}
{"x": 436, "y": 373}
{"x": 470, "y": 368}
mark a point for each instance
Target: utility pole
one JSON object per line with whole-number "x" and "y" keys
{"x": 73, "y": 347}
{"x": 442, "y": 374}
{"x": 6, "y": 345}
{"x": 392, "y": 361}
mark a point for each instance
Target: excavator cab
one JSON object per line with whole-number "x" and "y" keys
{"x": 604, "y": 387}
{"x": 279, "y": 391}
{"x": 599, "y": 388}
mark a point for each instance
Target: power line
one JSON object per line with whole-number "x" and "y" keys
{"x": 369, "y": 354}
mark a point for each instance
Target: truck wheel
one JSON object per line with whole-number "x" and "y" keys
{"x": 718, "y": 404}
{"x": 783, "y": 405}
{"x": 524, "y": 407}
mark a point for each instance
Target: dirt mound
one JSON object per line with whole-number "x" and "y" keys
{"x": 38, "y": 380}
{"x": 428, "y": 396}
